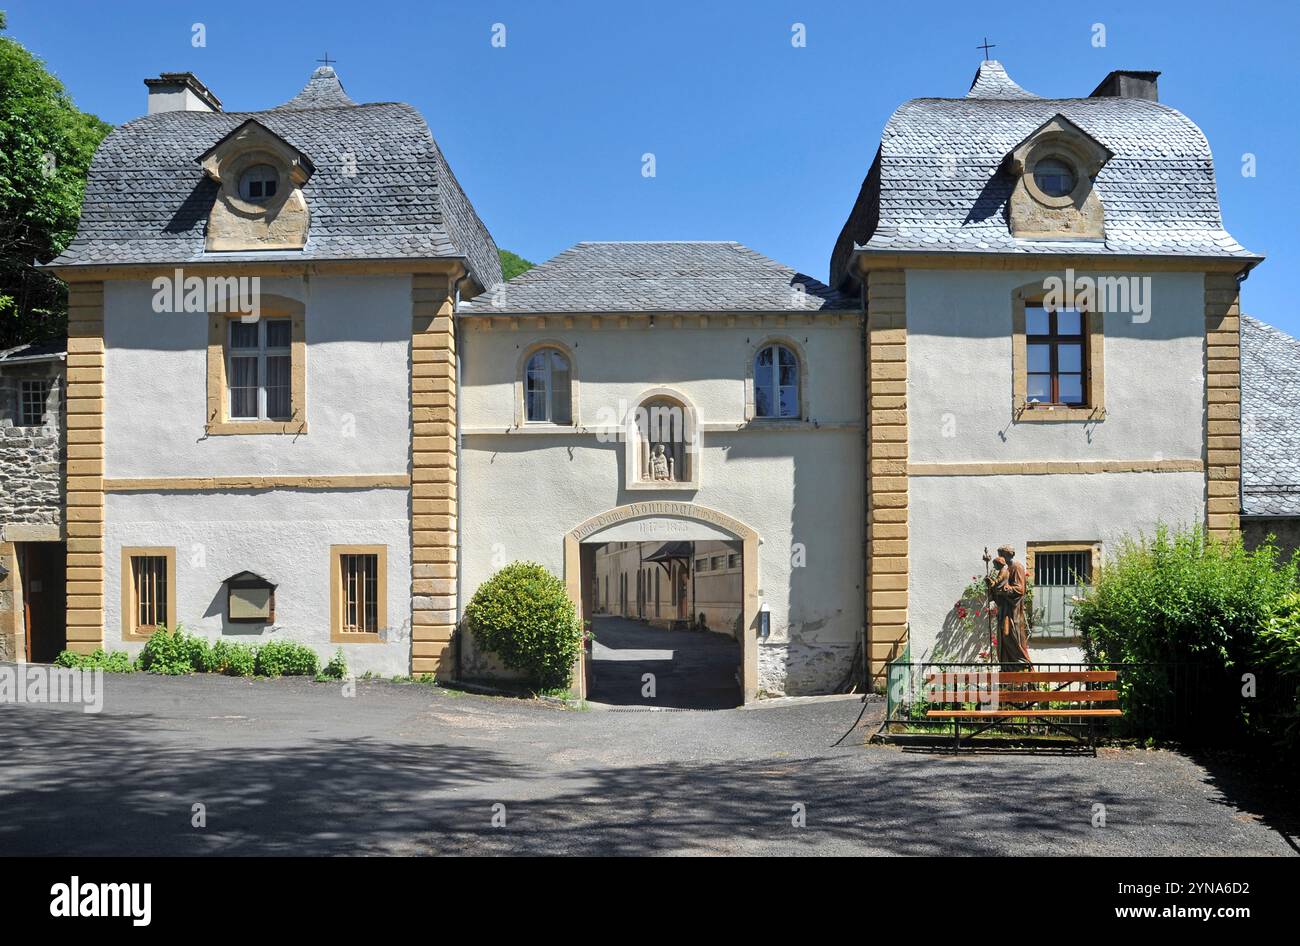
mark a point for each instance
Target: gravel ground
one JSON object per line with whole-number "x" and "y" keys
{"x": 293, "y": 767}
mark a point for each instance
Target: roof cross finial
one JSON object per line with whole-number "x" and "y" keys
{"x": 327, "y": 60}
{"x": 986, "y": 46}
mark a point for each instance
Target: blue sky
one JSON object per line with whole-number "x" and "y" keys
{"x": 754, "y": 140}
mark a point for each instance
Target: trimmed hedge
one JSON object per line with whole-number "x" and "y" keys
{"x": 523, "y": 614}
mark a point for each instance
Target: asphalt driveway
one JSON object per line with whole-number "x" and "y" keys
{"x": 295, "y": 767}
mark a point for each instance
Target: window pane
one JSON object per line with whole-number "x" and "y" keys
{"x": 1068, "y": 358}
{"x": 789, "y": 375}
{"x": 243, "y": 387}
{"x": 1071, "y": 388}
{"x": 764, "y": 359}
{"x": 763, "y": 399}
{"x": 789, "y": 402}
{"x": 278, "y": 334}
{"x": 1039, "y": 388}
{"x": 787, "y": 358}
{"x": 1069, "y": 322}
{"x": 278, "y": 387}
{"x": 243, "y": 334}
{"x": 1036, "y": 321}
{"x": 559, "y": 389}
{"x": 1040, "y": 357}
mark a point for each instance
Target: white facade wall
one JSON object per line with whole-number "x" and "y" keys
{"x": 960, "y": 411}
{"x": 358, "y": 333}
{"x": 520, "y": 492}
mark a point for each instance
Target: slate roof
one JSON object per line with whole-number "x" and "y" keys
{"x": 1270, "y": 420}
{"x": 937, "y": 183}
{"x": 660, "y": 277}
{"x": 147, "y": 199}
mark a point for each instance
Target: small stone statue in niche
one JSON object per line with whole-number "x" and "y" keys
{"x": 661, "y": 465}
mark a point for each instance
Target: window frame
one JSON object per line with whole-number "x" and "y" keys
{"x": 521, "y": 387}
{"x": 1035, "y": 549}
{"x": 1093, "y": 355}
{"x": 801, "y": 387}
{"x": 551, "y": 352}
{"x": 46, "y": 386}
{"x": 262, "y": 354}
{"x": 219, "y": 421}
{"x": 131, "y": 630}
{"x": 338, "y": 635}
{"x": 1053, "y": 341}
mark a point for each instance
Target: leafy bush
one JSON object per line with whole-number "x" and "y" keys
{"x": 233, "y": 658}
{"x": 1184, "y": 605}
{"x": 286, "y": 659}
{"x": 337, "y": 668}
{"x": 119, "y": 661}
{"x": 1279, "y": 651}
{"x": 174, "y": 652}
{"x": 524, "y": 615}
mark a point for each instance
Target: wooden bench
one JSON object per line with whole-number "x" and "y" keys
{"x": 1009, "y": 689}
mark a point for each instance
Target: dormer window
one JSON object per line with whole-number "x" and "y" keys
{"x": 258, "y": 183}
{"x": 1054, "y": 177}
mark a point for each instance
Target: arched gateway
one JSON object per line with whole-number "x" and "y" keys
{"x": 670, "y": 521}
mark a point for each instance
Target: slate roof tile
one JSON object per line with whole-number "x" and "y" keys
{"x": 938, "y": 183}
{"x": 1270, "y": 420}
{"x": 660, "y": 277}
{"x": 147, "y": 199}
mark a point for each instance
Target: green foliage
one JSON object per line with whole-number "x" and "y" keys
{"x": 119, "y": 661}
{"x": 233, "y": 658}
{"x": 337, "y": 668}
{"x": 286, "y": 659}
{"x": 46, "y": 145}
{"x": 1279, "y": 651}
{"x": 524, "y": 615}
{"x": 1184, "y": 605}
{"x": 174, "y": 652}
{"x": 512, "y": 264}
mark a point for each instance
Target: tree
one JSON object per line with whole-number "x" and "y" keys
{"x": 46, "y": 144}
{"x": 512, "y": 264}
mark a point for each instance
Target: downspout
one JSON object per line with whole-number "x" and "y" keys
{"x": 456, "y": 335}
{"x": 866, "y": 488}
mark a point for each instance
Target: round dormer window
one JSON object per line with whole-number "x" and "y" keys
{"x": 257, "y": 185}
{"x": 1054, "y": 177}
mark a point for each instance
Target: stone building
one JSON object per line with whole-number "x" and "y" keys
{"x": 1270, "y": 412}
{"x": 1030, "y": 334}
{"x": 32, "y": 450}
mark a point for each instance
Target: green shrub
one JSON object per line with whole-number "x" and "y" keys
{"x": 523, "y": 614}
{"x": 1189, "y": 611}
{"x": 1279, "y": 651}
{"x": 233, "y": 658}
{"x": 337, "y": 668}
{"x": 286, "y": 659}
{"x": 174, "y": 652}
{"x": 119, "y": 661}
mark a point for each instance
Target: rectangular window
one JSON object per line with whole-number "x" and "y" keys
{"x": 359, "y": 606}
{"x": 33, "y": 396}
{"x": 259, "y": 370}
{"x": 1059, "y": 574}
{"x": 1055, "y": 357}
{"x": 733, "y": 560}
{"x": 701, "y": 564}
{"x": 148, "y": 591}
{"x": 718, "y": 562}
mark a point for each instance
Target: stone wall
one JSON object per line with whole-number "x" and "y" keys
{"x": 1286, "y": 531}
{"x": 31, "y": 458}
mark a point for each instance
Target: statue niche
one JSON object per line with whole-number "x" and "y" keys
{"x": 663, "y": 431}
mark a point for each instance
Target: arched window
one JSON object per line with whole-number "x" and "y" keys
{"x": 547, "y": 387}
{"x": 776, "y": 382}
{"x": 257, "y": 185}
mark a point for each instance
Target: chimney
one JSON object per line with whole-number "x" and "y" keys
{"x": 1128, "y": 84}
{"x": 180, "y": 92}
